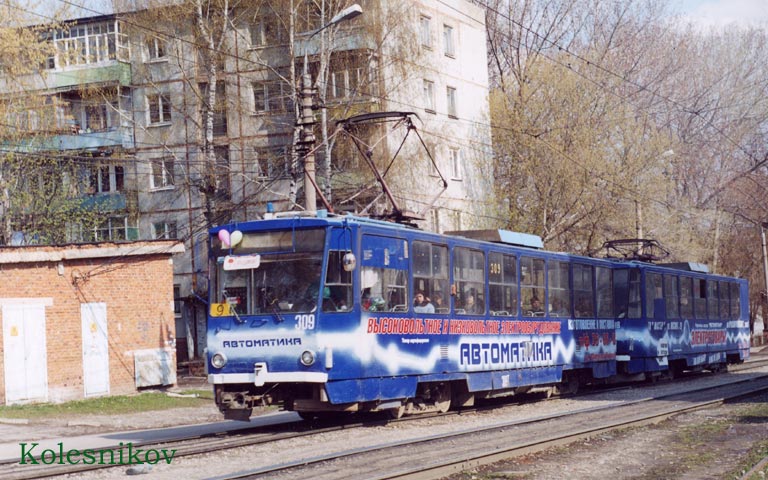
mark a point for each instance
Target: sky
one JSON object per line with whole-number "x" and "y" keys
{"x": 719, "y": 13}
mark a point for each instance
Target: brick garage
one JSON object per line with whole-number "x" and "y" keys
{"x": 86, "y": 320}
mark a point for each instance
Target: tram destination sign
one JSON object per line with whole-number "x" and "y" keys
{"x": 241, "y": 262}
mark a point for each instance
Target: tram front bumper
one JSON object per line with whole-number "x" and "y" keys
{"x": 262, "y": 376}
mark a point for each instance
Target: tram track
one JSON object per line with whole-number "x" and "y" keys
{"x": 198, "y": 445}
{"x": 416, "y": 459}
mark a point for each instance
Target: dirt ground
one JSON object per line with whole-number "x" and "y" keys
{"x": 718, "y": 443}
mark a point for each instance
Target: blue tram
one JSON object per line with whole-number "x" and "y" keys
{"x": 344, "y": 314}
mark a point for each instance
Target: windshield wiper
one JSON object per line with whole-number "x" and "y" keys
{"x": 276, "y": 311}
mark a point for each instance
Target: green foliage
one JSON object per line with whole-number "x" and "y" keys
{"x": 611, "y": 120}
{"x": 113, "y": 405}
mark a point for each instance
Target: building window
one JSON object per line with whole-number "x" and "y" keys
{"x": 177, "y": 302}
{"x": 219, "y": 110}
{"x": 159, "y": 108}
{"x": 346, "y": 82}
{"x": 105, "y": 179}
{"x": 87, "y": 44}
{"x": 164, "y": 231}
{"x": 425, "y": 31}
{"x": 156, "y": 48}
{"x": 454, "y": 155}
{"x": 271, "y": 96}
{"x": 434, "y": 220}
{"x": 272, "y": 162}
{"x": 114, "y": 229}
{"x": 162, "y": 173}
{"x": 267, "y": 30}
{"x": 429, "y": 96}
{"x": 448, "y": 47}
{"x": 450, "y": 99}
{"x": 224, "y": 188}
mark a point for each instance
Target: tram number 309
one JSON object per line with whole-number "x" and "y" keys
{"x": 305, "y": 322}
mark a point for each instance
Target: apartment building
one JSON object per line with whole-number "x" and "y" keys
{"x": 128, "y": 96}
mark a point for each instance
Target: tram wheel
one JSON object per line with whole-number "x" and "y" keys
{"x": 396, "y": 413}
{"x": 443, "y": 398}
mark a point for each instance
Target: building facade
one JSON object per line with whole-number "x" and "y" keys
{"x": 175, "y": 131}
{"x": 71, "y": 331}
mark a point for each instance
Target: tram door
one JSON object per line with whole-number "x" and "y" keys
{"x": 95, "y": 349}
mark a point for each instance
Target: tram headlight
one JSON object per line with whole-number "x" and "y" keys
{"x": 218, "y": 360}
{"x": 307, "y": 358}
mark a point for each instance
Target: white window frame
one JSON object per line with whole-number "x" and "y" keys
{"x": 162, "y": 168}
{"x": 163, "y": 230}
{"x": 162, "y": 101}
{"x": 274, "y": 92}
{"x": 428, "y": 91}
{"x": 277, "y": 162}
{"x": 454, "y": 155}
{"x": 450, "y": 102}
{"x": 258, "y": 34}
{"x": 449, "y": 45}
{"x": 111, "y": 173}
{"x": 157, "y": 49}
{"x": 425, "y": 31}
{"x": 434, "y": 220}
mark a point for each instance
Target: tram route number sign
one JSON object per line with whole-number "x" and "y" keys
{"x": 221, "y": 310}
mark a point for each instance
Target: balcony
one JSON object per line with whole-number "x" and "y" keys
{"x": 110, "y": 202}
{"x": 346, "y": 40}
{"x": 110, "y": 73}
{"x": 84, "y": 140}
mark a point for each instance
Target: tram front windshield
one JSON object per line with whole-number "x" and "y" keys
{"x": 287, "y": 278}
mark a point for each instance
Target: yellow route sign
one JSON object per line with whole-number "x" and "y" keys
{"x": 221, "y": 310}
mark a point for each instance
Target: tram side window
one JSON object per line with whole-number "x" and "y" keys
{"x": 559, "y": 289}
{"x": 635, "y": 297}
{"x": 430, "y": 274}
{"x": 621, "y": 292}
{"x": 337, "y": 294}
{"x": 735, "y": 301}
{"x": 671, "y": 296}
{"x": 712, "y": 312}
{"x": 700, "y": 298}
{"x": 384, "y": 289}
{"x": 502, "y": 284}
{"x": 583, "y": 291}
{"x": 532, "y": 286}
{"x": 723, "y": 296}
{"x": 604, "y": 292}
{"x": 626, "y": 293}
{"x": 653, "y": 290}
{"x": 686, "y": 300}
{"x": 469, "y": 276}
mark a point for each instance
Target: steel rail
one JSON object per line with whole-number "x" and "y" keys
{"x": 462, "y": 459}
{"x": 197, "y": 444}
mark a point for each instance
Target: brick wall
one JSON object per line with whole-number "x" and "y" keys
{"x": 138, "y": 293}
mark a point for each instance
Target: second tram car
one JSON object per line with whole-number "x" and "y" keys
{"x": 344, "y": 314}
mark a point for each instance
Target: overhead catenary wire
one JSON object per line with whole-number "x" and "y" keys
{"x": 163, "y": 33}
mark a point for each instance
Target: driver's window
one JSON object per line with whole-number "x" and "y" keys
{"x": 337, "y": 294}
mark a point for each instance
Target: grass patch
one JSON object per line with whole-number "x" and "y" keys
{"x": 114, "y": 405}
{"x": 691, "y": 448}
{"x": 754, "y": 414}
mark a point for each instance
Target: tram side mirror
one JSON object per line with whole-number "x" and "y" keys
{"x": 349, "y": 262}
